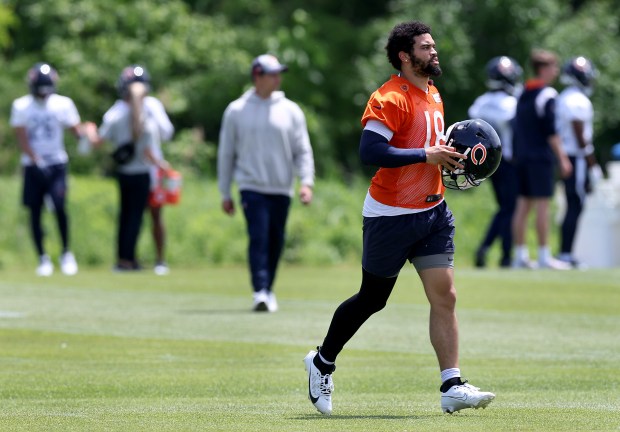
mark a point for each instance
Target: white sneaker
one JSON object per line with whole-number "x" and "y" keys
{"x": 45, "y": 268}
{"x": 68, "y": 264}
{"x": 320, "y": 387}
{"x": 261, "y": 301}
{"x": 463, "y": 396}
{"x": 272, "y": 303}
{"x": 554, "y": 264}
{"x": 524, "y": 264}
{"x": 161, "y": 269}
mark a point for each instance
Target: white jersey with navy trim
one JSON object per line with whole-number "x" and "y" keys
{"x": 573, "y": 105}
{"x": 497, "y": 108}
{"x": 45, "y": 121}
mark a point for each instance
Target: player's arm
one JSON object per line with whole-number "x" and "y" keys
{"x": 19, "y": 121}
{"x": 22, "y": 139}
{"x": 226, "y": 160}
{"x": 376, "y": 150}
{"x": 566, "y": 168}
{"x": 578, "y": 127}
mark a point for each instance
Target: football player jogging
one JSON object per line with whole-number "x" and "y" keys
{"x": 39, "y": 120}
{"x": 405, "y": 217}
{"x": 574, "y": 117}
{"x": 498, "y": 106}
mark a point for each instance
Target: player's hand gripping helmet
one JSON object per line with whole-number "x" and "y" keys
{"x": 42, "y": 79}
{"x": 478, "y": 140}
{"x": 580, "y": 72}
{"x": 131, "y": 74}
{"x": 504, "y": 73}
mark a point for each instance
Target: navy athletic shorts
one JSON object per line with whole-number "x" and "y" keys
{"x": 535, "y": 179}
{"x": 389, "y": 241}
{"x": 50, "y": 180}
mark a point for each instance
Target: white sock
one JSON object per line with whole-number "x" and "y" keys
{"x": 544, "y": 254}
{"x": 325, "y": 361}
{"x": 446, "y": 374}
{"x": 521, "y": 253}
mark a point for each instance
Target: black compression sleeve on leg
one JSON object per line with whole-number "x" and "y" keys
{"x": 36, "y": 228}
{"x": 353, "y": 312}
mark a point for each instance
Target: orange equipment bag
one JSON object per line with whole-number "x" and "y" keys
{"x": 167, "y": 188}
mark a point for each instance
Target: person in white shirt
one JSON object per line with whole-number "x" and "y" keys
{"x": 263, "y": 145}
{"x": 39, "y": 120}
{"x": 156, "y": 111}
{"x": 130, "y": 126}
{"x": 497, "y": 107}
{"x": 574, "y": 120}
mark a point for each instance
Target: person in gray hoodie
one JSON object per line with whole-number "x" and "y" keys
{"x": 263, "y": 146}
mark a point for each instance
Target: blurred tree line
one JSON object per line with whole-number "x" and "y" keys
{"x": 199, "y": 51}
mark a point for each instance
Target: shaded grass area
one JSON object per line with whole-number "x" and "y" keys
{"x": 103, "y": 352}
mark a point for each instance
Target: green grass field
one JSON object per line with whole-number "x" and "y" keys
{"x": 118, "y": 352}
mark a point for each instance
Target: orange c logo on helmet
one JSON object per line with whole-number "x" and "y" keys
{"x": 474, "y": 158}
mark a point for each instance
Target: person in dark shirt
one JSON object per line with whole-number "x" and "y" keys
{"x": 536, "y": 148}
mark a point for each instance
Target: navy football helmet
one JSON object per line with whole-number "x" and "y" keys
{"x": 131, "y": 74}
{"x": 503, "y": 73}
{"x": 42, "y": 79}
{"x": 478, "y": 140}
{"x": 580, "y": 72}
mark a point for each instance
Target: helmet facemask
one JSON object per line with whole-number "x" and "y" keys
{"x": 459, "y": 179}
{"x": 479, "y": 142}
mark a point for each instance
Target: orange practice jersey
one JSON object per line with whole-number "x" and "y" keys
{"x": 416, "y": 119}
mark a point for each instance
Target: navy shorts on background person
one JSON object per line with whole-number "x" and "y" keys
{"x": 50, "y": 180}
{"x": 389, "y": 241}
{"x": 535, "y": 179}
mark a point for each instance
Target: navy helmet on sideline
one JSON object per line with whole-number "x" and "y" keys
{"x": 478, "y": 140}
{"x": 131, "y": 74}
{"x": 504, "y": 73}
{"x": 580, "y": 72}
{"x": 42, "y": 79}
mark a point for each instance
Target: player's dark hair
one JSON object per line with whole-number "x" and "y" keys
{"x": 401, "y": 39}
{"x": 540, "y": 58}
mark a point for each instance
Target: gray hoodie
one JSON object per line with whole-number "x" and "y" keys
{"x": 263, "y": 144}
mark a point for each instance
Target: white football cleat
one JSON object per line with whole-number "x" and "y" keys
{"x": 320, "y": 387}
{"x": 554, "y": 264}
{"x": 261, "y": 301}
{"x": 272, "y": 302}
{"x": 524, "y": 264}
{"x": 463, "y": 396}
{"x": 68, "y": 264}
{"x": 45, "y": 268}
{"x": 161, "y": 269}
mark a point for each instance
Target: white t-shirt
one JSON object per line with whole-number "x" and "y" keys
{"x": 154, "y": 109}
{"x": 45, "y": 121}
{"x": 571, "y": 105}
{"x": 497, "y": 108}
{"x": 117, "y": 129}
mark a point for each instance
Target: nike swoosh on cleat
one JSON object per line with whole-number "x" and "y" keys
{"x": 312, "y": 398}
{"x": 461, "y": 398}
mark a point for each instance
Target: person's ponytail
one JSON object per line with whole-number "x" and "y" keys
{"x": 135, "y": 97}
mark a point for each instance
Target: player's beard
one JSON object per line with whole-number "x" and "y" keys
{"x": 426, "y": 68}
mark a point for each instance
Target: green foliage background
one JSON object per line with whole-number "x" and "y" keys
{"x": 199, "y": 51}
{"x": 328, "y": 232}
